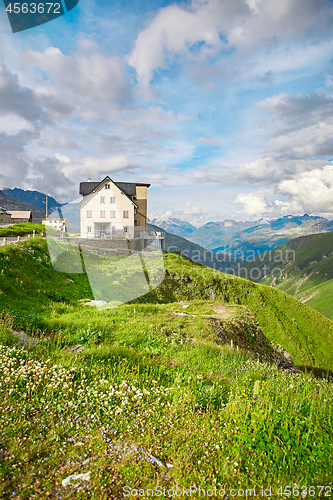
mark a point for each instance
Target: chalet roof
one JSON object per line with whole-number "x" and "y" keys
{"x": 88, "y": 187}
{"x": 20, "y": 214}
{"x": 128, "y": 188}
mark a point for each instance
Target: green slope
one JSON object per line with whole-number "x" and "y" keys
{"x": 320, "y": 297}
{"x": 303, "y": 268}
{"x": 157, "y": 395}
{"x": 304, "y": 332}
{"x": 30, "y": 288}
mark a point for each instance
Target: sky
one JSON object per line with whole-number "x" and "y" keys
{"x": 224, "y": 106}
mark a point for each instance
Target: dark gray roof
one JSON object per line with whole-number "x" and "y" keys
{"x": 128, "y": 188}
{"x": 88, "y": 187}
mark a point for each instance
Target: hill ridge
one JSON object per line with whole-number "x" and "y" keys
{"x": 12, "y": 204}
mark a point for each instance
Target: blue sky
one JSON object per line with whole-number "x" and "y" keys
{"x": 225, "y": 107}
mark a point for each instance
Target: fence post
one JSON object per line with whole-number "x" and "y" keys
{"x": 4, "y": 242}
{"x": 33, "y": 233}
{"x": 18, "y": 238}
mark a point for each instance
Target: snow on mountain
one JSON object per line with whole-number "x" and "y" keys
{"x": 174, "y": 226}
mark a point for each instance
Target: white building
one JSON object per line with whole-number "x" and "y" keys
{"x": 5, "y": 217}
{"x": 56, "y": 223}
{"x": 109, "y": 209}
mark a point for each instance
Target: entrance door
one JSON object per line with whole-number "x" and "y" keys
{"x": 102, "y": 229}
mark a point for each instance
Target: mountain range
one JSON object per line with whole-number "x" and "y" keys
{"x": 244, "y": 239}
{"x": 35, "y": 198}
{"x": 302, "y": 268}
{"x": 174, "y": 226}
{"x": 9, "y": 203}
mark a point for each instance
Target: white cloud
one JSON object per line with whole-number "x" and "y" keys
{"x": 297, "y": 111}
{"x": 301, "y": 140}
{"x": 192, "y": 210}
{"x": 310, "y": 192}
{"x": 12, "y": 124}
{"x": 212, "y": 140}
{"x": 61, "y": 143}
{"x": 86, "y": 79}
{"x": 13, "y": 165}
{"x": 194, "y": 32}
{"x": 93, "y": 166}
{"x": 173, "y": 31}
{"x": 270, "y": 170}
{"x": 196, "y": 217}
{"x": 255, "y": 204}
{"x": 329, "y": 81}
{"x": 17, "y": 100}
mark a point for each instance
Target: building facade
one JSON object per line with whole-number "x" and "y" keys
{"x": 18, "y": 216}
{"x": 5, "y": 217}
{"x": 110, "y": 209}
{"x": 56, "y": 223}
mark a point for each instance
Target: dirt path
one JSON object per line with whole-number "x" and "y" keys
{"x": 222, "y": 311}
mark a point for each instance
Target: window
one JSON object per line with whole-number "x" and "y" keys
{"x": 112, "y": 214}
{"x": 125, "y": 214}
{"x": 102, "y": 214}
{"x": 107, "y": 186}
{"x": 112, "y": 199}
{"x": 125, "y": 229}
{"x": 102, "y": 199}
{"x": 88, "y": 229}
{"x": 89, "y": 213}
{"x": 136, "y": 223}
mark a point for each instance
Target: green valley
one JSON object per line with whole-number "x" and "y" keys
{"x": 302, "y": 267}
{"x": 187, "y": 385}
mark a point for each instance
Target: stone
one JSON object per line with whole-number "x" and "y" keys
{"x": 97, "y": 303}
{"x": 74, "y": 349}
{"x": 24, "y": 339}
{"x": 76, "y": 480}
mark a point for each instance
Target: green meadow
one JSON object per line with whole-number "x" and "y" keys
{"x": 179, "y": 388}
{"x": 21, "y": 229}
{"x": 303, "y": 268}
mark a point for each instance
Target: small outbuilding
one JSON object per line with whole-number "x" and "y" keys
{"x": 56, "y": 223}
{"x": 20, "y": 216}
{"x": 4, "y": 217}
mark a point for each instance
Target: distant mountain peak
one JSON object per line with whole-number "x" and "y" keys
{"x": 35, "y": 198}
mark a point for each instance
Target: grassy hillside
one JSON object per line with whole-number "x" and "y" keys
{"x": 303, "y": 268}
{"x": 27, "y": 272}
{"x": 21, "y": 229}
{"x": 157, "y": 395}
